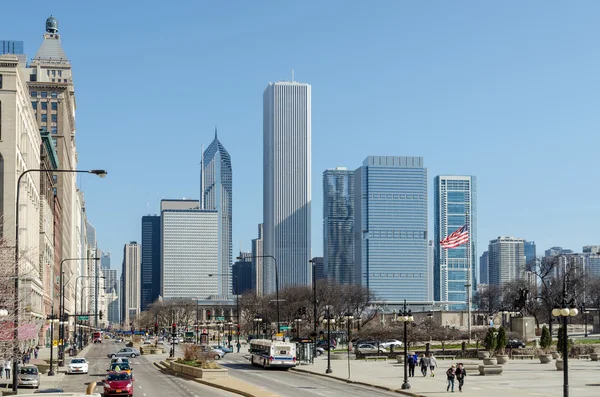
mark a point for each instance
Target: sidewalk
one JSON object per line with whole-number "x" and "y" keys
{"x": 522, "y": 378}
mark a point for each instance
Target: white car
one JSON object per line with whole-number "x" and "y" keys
{"x": 391, "y": 342}
{"x": 78, "y": 366}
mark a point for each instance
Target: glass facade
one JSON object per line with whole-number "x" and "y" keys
{"x": 391, "y": 228}
{"x": 338, "y": 225}
{"x": 455, "y": 204}
{"x": 506, "y": 260}
{"x": 150, "y": 260}
{"x": 11, "y": 47}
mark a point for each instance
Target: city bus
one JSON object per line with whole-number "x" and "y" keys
{"x": 272, "y": 354}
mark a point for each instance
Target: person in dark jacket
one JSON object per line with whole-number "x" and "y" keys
{"x": 411, "y": 365}
{"x": 460, "y": 376}
{"x": 450, "y": 374}
{"x": 424, "y": 364}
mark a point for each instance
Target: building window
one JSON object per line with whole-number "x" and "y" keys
{"x": 34, "y": 94}
{"x": 44, "y": 118}
{"x": 54, "y": 73}
{"x": 34, "y": 105}
{"x": 54, "y": 130}
{"x": 55, "y": 118}
{"x": 0, "y": 81}
{"x": 53, "y": 80}
{"x": 54, "y": 105}
{"x": 44, "y": 105}
{"x": 44, "y": 95}
{"x": 54, "y": 94}
{"x": 60, "y": 73}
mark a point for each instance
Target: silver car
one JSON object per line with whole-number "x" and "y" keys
{"x": 29, "y": 376}
{"x": 125, "y": 352}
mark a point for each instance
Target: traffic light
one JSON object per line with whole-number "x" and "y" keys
{"x": 208, "y": 314}
{"x": 238, "y": 329}
{"x": 174, "y": 329}
{"x": 155, "y": 328}
{"x": 100, "y": 315}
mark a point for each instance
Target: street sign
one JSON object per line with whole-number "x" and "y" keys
{"x": 285, "y": 327}
{"x": 83, "y": 318}
{"x": 221, "y": 318}
{"x": 279, "y": 335}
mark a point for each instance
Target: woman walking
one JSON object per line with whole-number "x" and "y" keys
{"x": 460, "y": 376}
{"x": 432, "y": 364}
{"x": 450, "y": 373}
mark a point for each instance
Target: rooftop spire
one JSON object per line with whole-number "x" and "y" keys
{"x": 215, "y": 131}
{"x": 51, "y": 25}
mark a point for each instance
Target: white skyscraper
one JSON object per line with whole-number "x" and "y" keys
{"x": 287, "y": 183}
{"x": 132, "y": 282}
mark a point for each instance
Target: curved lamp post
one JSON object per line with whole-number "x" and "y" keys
{"x": 349, "y": 317}
{"x": 329, "y": 320}
{"x": 406, "y": 317}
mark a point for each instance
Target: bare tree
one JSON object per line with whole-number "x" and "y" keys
{"x": 488, "y": 300}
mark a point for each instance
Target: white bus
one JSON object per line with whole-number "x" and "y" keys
{"x": 272, "y": 353}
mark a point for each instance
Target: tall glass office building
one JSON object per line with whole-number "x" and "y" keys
{"x": 455, "y": 199}
{"x": 338, "y": 225}
{"x": 390, "y": 228}
{"x": 151, "y": 271}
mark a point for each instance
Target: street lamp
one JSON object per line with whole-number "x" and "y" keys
{"x": 52, "y": 320}
{"x": 298, "y": 320}
{"x": 276, "y": 282}
{"x": 329, "y": 320}
{"x": 229, "y": 324}
{"x": 349, "y": 317}
{"x": 406, "y": 317}
{"x": 315, "y": 315}
{"x": 237, "y": 299}
{"x": 257, "y": 321}
{"x": 584, "y": 312}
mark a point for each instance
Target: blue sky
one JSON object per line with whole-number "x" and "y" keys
{"x": 507, "y": 91}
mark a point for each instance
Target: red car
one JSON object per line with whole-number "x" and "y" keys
{"x": 118, "y": 384}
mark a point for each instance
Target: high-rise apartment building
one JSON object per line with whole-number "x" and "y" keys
{"x": 557, "y": 251}
{"x": 216, "y": 186}
{"x": 591, "y": 249}
{"x": 506, "y": 260}
{"x": 455, "y": 205}
{"x": 130, "y": 298}
{"x": 257, "y": 261}
{"x": 319, "y": 266}
{"x": 484, "y": 266}
{"x": 430, "y": 271}
{"x": 151, "y": 258}
{"x": 530, "y": 254}
{"x": 190, "y": 251}
{"x": 338, "y": 225}
{"x": 390, "y": 228}
{"x": 287, "y": 183}
{"x": 242, "y": 274}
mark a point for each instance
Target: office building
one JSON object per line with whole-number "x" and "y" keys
{"x": 506, "y": 260}
{"x": 130, "y": 298}
{"x": 190, "y": 252}
{"x": 16, "y": 48}
{"x": 557, "y": 251}
{"x": 287, "y": 183}
{"x": 530, "y": 255}
{"x": 151, "y": 258}
{"x": 105, "y": 260}
{"x": 257, "y": 261}
{"x": 216, "y": 186}
{"x": 455, "y": 205}
{"x": 319, "y": 265}
{"x": 242, "y": 274}
{"x": 591, "y": 249}
{"x": 430, "y": 270}
{"x": 484, "y": 263}
{"x": 111, "y": 282}
{"x": 390, "y": 228}
{"x": 338, "y": 225}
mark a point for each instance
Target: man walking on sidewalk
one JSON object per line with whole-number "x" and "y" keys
{"x": 432, "y": 364}
{"x": 460, "y": 376}
{"x": 7, "y": 365}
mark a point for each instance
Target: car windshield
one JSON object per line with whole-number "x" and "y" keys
{"x": 29, "y": 371}
{"x": 122, "y": 366}
{"x": 78, "y": 361}
{"x": 118, "y": 376}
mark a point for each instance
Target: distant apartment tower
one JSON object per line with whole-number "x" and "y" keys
{"x": 338, "y": 225}
{"x": 591, "y": 249}
{"x": 430, "y": 270}
{"x": 242, "y": 274}
{"x": 287, "y": 183}
{"x": 506, "y": 260}
{"x": 319, "y": 265}
{"x": 455, "y": 205}
{"x": 390, "y": 228}
{"x": 111, "y": 283}
{"x": 130, "y": 299}
{"x": 190, "y": 251}
{"x": 151, "y": 273}
{"x": 216, "y": 186}
{"x": 557, "y": 251}
{"x": 257, "y": 261}
{"x": 105, "y": 260}
{"x": 484, "y": 266}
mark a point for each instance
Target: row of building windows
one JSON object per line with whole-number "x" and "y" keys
{"x": 45, "y": 118}
{"x": 389, "y": 196}
{"x": 402, "y": 234}
{"x": 54, "y": 73}
{"x": 53, "y": 105}
{"x": 44, "y": 94}
{"x": 396, "y": 275}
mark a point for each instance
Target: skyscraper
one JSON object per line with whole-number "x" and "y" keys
{"x": 455, "y": 205}
{"x": 151, "y": 272}
{"x": 242, "y": 274}
{"x": 484, "y": 266}
{"x": 130, "y": 299}
{"x": 338, "y": 225}
{"x": 529, "y": 247}
{"x": 257, "y": 261}
{"x": 390, "y": 228}
{"x": 16, "y": 48}
{"x": 216, "y": 186}
{"x": 287, "y": 183}
{"x": 506, "y": 260}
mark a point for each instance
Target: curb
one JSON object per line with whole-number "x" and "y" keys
{"x": 385, "y": 388}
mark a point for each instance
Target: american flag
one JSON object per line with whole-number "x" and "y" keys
{"x": 458, "y": 237}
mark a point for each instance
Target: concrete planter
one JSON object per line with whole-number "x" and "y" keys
{"x": 555, "y": 355}
{"x": 560, "y": 364}
{"x": 490, "y": 361}
{"x": 483, "y": 354}
{"x": 502, "y": 359}
{"x": 545, "y": 358}
{"x": 471, "y": 368}
{"x": 43, "y": 368}
{"x": 400, "y": 358}
{"x": 198, "y": 372}
{"x": 490, "y": 370}
{"x": 595, "y": 356}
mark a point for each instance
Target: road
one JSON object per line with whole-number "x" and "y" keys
{"x": 294, "y": 384}
{"x": 149, "y": 382}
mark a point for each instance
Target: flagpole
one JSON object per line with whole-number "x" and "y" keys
{"x": 468, "y": 284}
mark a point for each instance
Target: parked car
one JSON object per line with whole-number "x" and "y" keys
{"x": 119, "y": 340}
{"x": 78, "y": 366}
{"x": 118, "y": 383}
{"x": 29, "y": 376}
{"x": 390, "y": 342}
{"x": 369, "y": 349}
{"x": 515, "y": 344}
{"x": 125, "y": 352}
{"x": 224, "y": 348}
{"x": 325, "y": 344}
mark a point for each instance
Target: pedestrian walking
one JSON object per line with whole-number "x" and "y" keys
{"x": 36, "y": 351}
{"x": 7, "y": 364}
{"x": 432, "y": 364}
{"x": 424, "y": 364}
{"x": 450, "y": 374}
{"x": 411, "y": 365}
{"x": 2, "y": 368}
{"x": 460, "y": 376}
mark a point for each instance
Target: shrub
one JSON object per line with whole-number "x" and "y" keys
{"x": 501, "y": 341}
{"x": 560, "y": 343}
{"x": 490, "y": 340}
{"x": 546, "y": 339}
